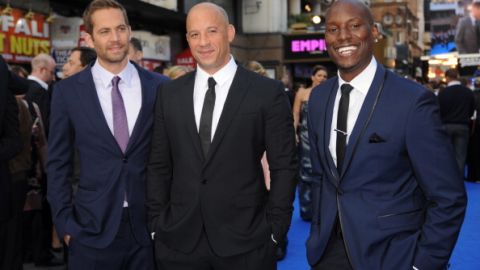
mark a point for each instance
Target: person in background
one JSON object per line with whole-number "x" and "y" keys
{"x": 208, "y": 205}
{"x": 457, "y": 105}
{"x": 79, "y": 58}
{"x": 39, "y": 92}
{"x": 19, "y": 71}
{"x": 467, "y": 37}
{"x": 29, "y": 171}
{"x": 387, "y": 192}
{"x": 135, "y": 50}
{"x": 175, "y": 72}
{"x": 10, "y": 146}
{"x": 106, "y": 113}
{"x": 319, "y": 74}
{"x": 43, "y": 74}
{"x": 286, "y": 80}
{"x": 20, "y": 167}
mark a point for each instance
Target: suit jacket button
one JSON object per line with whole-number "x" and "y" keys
{"x": 204, "y": 181}
{"x": 125, "y": 160}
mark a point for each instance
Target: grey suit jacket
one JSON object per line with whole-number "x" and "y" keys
{"x": 466, "y": 36}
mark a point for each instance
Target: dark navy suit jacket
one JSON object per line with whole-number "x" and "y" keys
{"x": 400, "y": 197}
{"x": 78, "y": 122}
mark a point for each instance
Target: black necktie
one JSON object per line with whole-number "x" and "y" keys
{"x": 342, "y": 124}
{"x": 205, "y": 129}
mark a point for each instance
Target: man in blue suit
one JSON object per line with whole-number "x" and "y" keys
{"x": 106, "y": 113}
{"x": 387, "y": 192}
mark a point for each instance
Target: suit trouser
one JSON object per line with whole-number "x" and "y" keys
{"x": 124, "y": 253}
{"x": 459, "y": 135}
{"x": 203, "y": 258}
{"x": 335, "y": 255}
{"x": 13, "y": 255}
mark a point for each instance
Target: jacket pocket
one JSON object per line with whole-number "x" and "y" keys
{"x": 406, "y": 220}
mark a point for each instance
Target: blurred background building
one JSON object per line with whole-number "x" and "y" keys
{"x": 286, "y": 36}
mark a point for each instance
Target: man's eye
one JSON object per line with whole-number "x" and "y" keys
{"x": 332, "y": 30}
{"x": 355, "y": 26}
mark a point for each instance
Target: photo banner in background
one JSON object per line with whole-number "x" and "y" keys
{"x": 23, "y": 38}
{"x": 168, "y": 4}
{"x": 154, "y": 47}
{"x": 66, "y": 32}
{"x": 66, "y": 35}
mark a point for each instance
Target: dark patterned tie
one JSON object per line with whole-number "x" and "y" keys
{"x": 205, "y": 129}
{"x": 342, "y": 124}
{"x": 120, "y": 124}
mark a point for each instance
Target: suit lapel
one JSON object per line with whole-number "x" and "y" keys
{"x": 328, "y": 128}
{"x": 235, "y": 96}
{"x": 362, "y": 119}
{"x": 87, "y": 93}
{"x": 189, "y": 113}
{"x": 148, "y": 99}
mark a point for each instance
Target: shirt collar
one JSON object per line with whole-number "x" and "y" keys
{"x": 106, "y": 76}
{"x": 454, "y": 82}
{"x": 42, "y": 83}
{"x": 472, "y": 19}
{"x": 363, "y": 80}
{"x": 221, "y": 76}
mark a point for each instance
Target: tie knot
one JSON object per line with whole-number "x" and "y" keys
{"x": 115, "y": 81}
{"x": 211, "y": 83}
{"x": 346, "y": 88}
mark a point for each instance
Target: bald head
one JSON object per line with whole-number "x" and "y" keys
{"x": 42, "y": 60}
{"x": 43, "y": 67}
{"x": 360, "y": 5}
{"x": 208, "y": 7}
{"x": 209, "y": 35}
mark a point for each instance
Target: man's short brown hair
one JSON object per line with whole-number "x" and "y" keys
{"x": 97, "y": 5}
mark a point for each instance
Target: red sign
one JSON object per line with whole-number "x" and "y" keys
{"x": 81, "y": 41}
{"x": 23, "y": 38}
{"x": 185, "y": 58}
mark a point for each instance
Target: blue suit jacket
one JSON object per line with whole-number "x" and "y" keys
{"x": 78, "y": 122}
{"x": 400, "y": 197}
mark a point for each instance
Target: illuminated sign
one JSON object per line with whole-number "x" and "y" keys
{"x": 21, "y": 39}
{"x": 305, "y": 46}
{"x": 309, "y": 45}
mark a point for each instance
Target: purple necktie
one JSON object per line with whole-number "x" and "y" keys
{"x": 120, "y": 124}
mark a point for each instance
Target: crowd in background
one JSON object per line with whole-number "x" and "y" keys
{"x": 29, "y": 233}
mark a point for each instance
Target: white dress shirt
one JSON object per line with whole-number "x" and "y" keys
{"x": 130, "y": 87}
{"x": 42, "y": 83}
{"x": 360, "y": 84}
{"x": 224, "y": 78}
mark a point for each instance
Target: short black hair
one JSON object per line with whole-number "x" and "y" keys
{"x": 87, "y": 55}
{"x": 136, "y": 43}
{"x": 451, "y": 73}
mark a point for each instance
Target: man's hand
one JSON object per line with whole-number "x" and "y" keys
{"x": 66, "y": 239}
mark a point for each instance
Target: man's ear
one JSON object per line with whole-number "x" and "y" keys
{"x": 231, "y": 32}
{"x": 375, "y": 33}
{"x": 89, "y": 40}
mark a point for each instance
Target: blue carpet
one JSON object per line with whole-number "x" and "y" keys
{"x": 466, "y": 255}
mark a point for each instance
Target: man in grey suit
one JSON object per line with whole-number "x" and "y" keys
{"x": 467, "y": 35}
